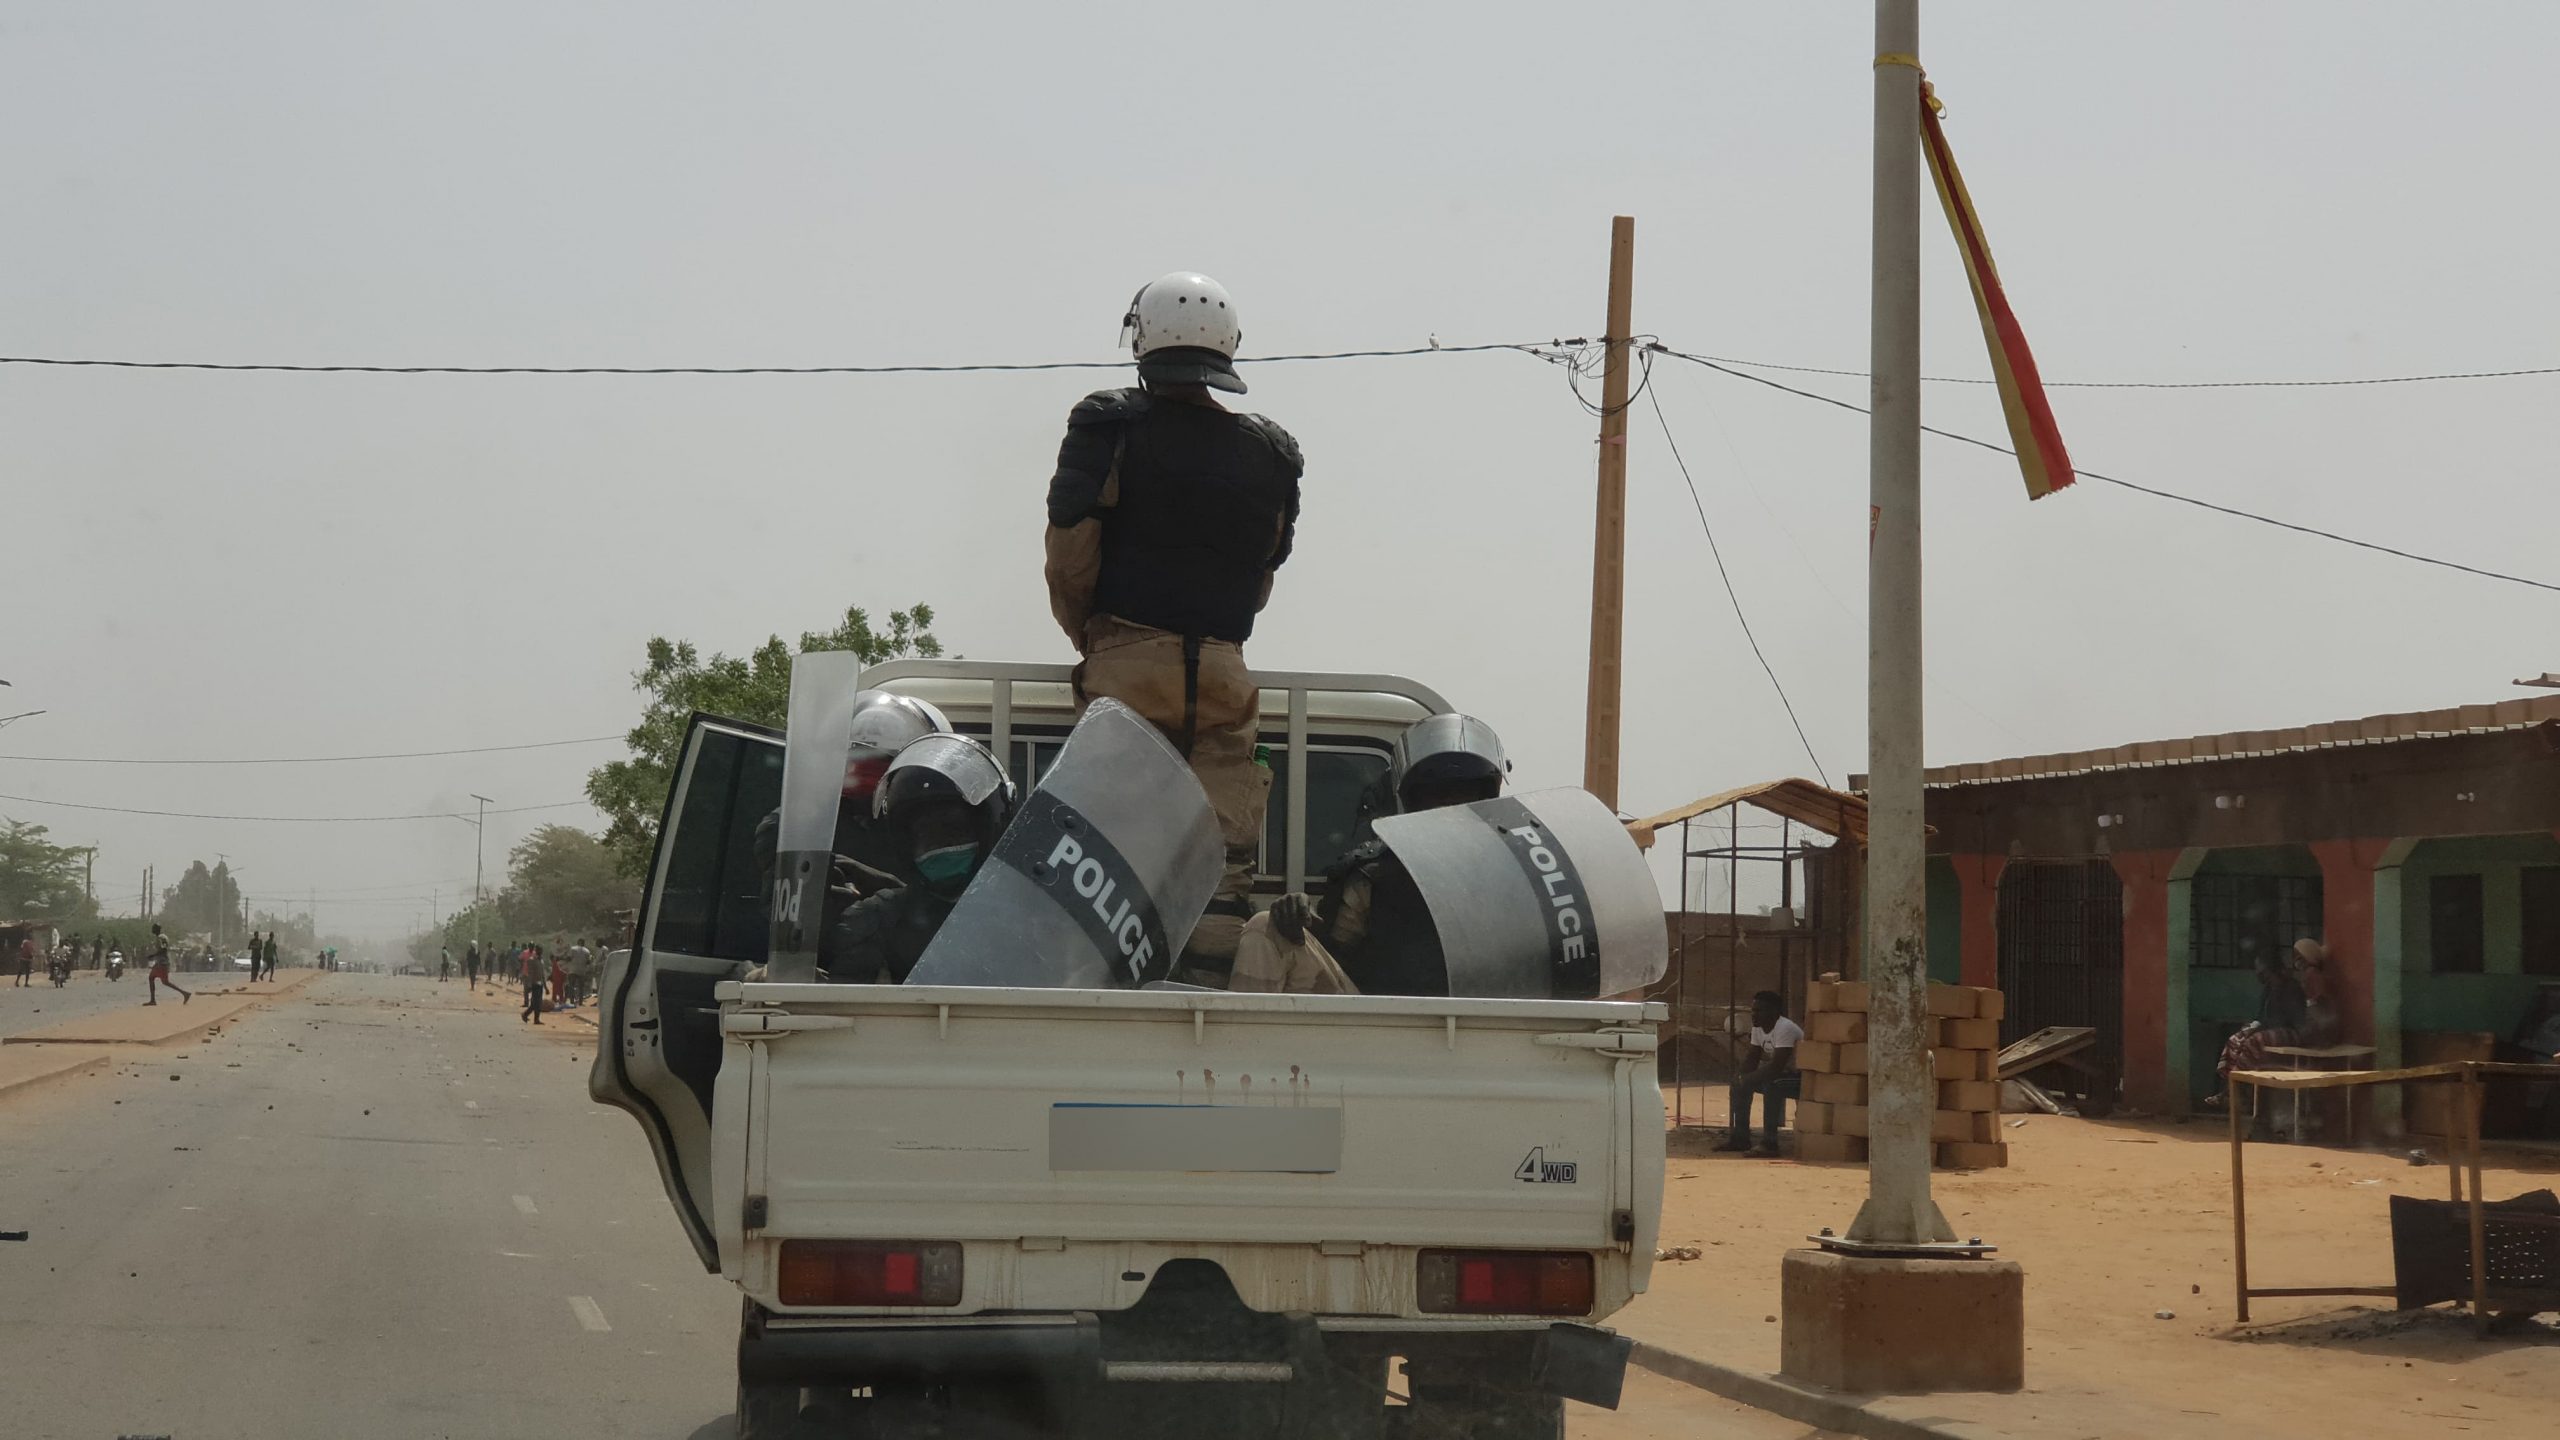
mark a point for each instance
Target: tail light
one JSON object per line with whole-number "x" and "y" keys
{"x": 1504, "y": 1282}
{"x": 870, "y": 1272}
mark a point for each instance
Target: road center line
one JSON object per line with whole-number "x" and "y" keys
{"x": 589, "y": 1313}
{"x": 525, "y": 1203}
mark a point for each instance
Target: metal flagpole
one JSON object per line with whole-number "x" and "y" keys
{"x": 1900, "y": 1090}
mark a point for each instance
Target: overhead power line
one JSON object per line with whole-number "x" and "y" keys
{"x": 420, "y": 901}
{"x": 1739, "y": 618}
{"x": 284, "y": 819}
{"x": 1539, "y": 348}
{"x": 2156, "y": 384}
{"x": 404, "y": 886}
{"x": 305, "y": 759}
{"x": 1531, "y": 347}
{"x": 2088, "y": 474}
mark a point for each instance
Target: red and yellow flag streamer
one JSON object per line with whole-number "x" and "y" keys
{"x": 2032, "y": 433}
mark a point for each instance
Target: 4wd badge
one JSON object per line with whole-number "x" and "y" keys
{"x": 1537, "y": 1169}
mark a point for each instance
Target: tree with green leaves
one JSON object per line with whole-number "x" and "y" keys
{"x": 203, "y": 902}
{"x": 40, "y": 880}
{"x": 487, "y": 922}
{"x": 755, "y": 687}
{"x": 560, "y": 881}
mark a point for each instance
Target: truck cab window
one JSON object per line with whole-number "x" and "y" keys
{"x": 1343, "y": 788}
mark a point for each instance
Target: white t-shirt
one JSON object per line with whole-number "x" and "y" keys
{"x": 1785, "y": 1035}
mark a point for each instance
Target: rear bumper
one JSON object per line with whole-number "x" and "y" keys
{"x": 907, "y": 1353}
{"x": 1566, "y": 1361}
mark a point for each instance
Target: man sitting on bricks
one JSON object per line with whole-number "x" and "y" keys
{"x": 1767, "y": 1070}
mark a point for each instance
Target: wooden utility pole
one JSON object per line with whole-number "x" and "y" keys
{"x": 1609, "y": 531}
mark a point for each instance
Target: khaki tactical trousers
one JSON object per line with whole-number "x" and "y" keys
{"x": 1142, "y": 668}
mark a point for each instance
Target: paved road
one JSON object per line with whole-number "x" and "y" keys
{"x": 37, "y": 1005}
{"x": 381, "y": 1208}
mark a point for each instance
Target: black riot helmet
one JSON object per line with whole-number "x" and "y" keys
{"x": 1447, "y": 759}
{"x": 952, "y": 800}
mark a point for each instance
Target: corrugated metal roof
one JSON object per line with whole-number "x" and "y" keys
{"x": 1836, "y": 813}
{"x": 2247, "y": 744}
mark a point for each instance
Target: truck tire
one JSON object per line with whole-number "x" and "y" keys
{"x": 768, "y": 1412}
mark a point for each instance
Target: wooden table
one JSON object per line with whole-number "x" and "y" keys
{"x": 2298, "y": 1055}
{"x": 2465, "y": 1157}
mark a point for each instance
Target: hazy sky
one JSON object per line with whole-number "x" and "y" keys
{"x": 204, "y": 565}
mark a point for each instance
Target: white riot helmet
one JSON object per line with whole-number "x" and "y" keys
{"x": 1182, "y": 329}
{"x": 883, "y": 725}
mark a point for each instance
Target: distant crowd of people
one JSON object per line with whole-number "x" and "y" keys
{"x": 187, "y": 955}
{"x": 549, "y": 976}
{"x": 163, "y": 955}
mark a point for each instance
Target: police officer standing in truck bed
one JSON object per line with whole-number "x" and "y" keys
{"x": 1168, "y": 516}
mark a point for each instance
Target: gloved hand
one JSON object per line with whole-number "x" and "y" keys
{"x": 1290, "y": 914}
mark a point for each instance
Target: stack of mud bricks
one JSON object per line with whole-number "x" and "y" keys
{"x": 1964, "y": 1047}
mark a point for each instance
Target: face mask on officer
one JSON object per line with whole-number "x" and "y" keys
{"x": 946, "y": 847}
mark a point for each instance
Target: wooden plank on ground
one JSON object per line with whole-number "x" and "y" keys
{"x": 2047, "y": 1045}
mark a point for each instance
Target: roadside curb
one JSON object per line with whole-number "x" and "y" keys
{"x": 217, "y": 1013}
{"x": 1823, "y": 1409}
{"x": 17, "y": 1075}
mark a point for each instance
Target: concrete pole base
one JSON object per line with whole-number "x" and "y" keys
{"x": 1866, "y": 1325}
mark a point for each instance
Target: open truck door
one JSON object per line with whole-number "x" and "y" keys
{"x": 702, "y": 921}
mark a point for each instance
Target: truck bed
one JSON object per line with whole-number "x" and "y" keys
{"x": 1073, "y": 1141}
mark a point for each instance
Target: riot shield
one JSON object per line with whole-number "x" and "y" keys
{"x": 824, "y": 686}
{"x": 1541, "y": 895}
{"x": 1099, "y": 878}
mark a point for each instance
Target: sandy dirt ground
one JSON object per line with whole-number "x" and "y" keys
{"x": 2115, "y": 1221}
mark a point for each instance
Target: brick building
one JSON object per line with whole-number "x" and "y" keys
{"x": 2133, "y": 888}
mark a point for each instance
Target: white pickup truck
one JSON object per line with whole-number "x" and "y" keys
{"x": 983, "y": 1211}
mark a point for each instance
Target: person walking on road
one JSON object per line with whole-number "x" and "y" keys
{"x": 444, "y": 964}
{"x": 582, "y": 972}
{"x": 26, "y": 958}
{"x": 271, "y": 955}
{"x": 160, "y": 971}
{"x": 529, "y": 971}
{"x": 471, "y": 967}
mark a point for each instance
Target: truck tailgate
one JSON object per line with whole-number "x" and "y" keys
{"x": 1043, "y": 1119}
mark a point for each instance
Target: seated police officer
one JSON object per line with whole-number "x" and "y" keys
{"x": 1371, "y": 933}
{"x": 868, "y": 858}
{"x": 943, "y": 801}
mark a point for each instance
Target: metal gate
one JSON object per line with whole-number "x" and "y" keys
{"x": 2062, "y": 951}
